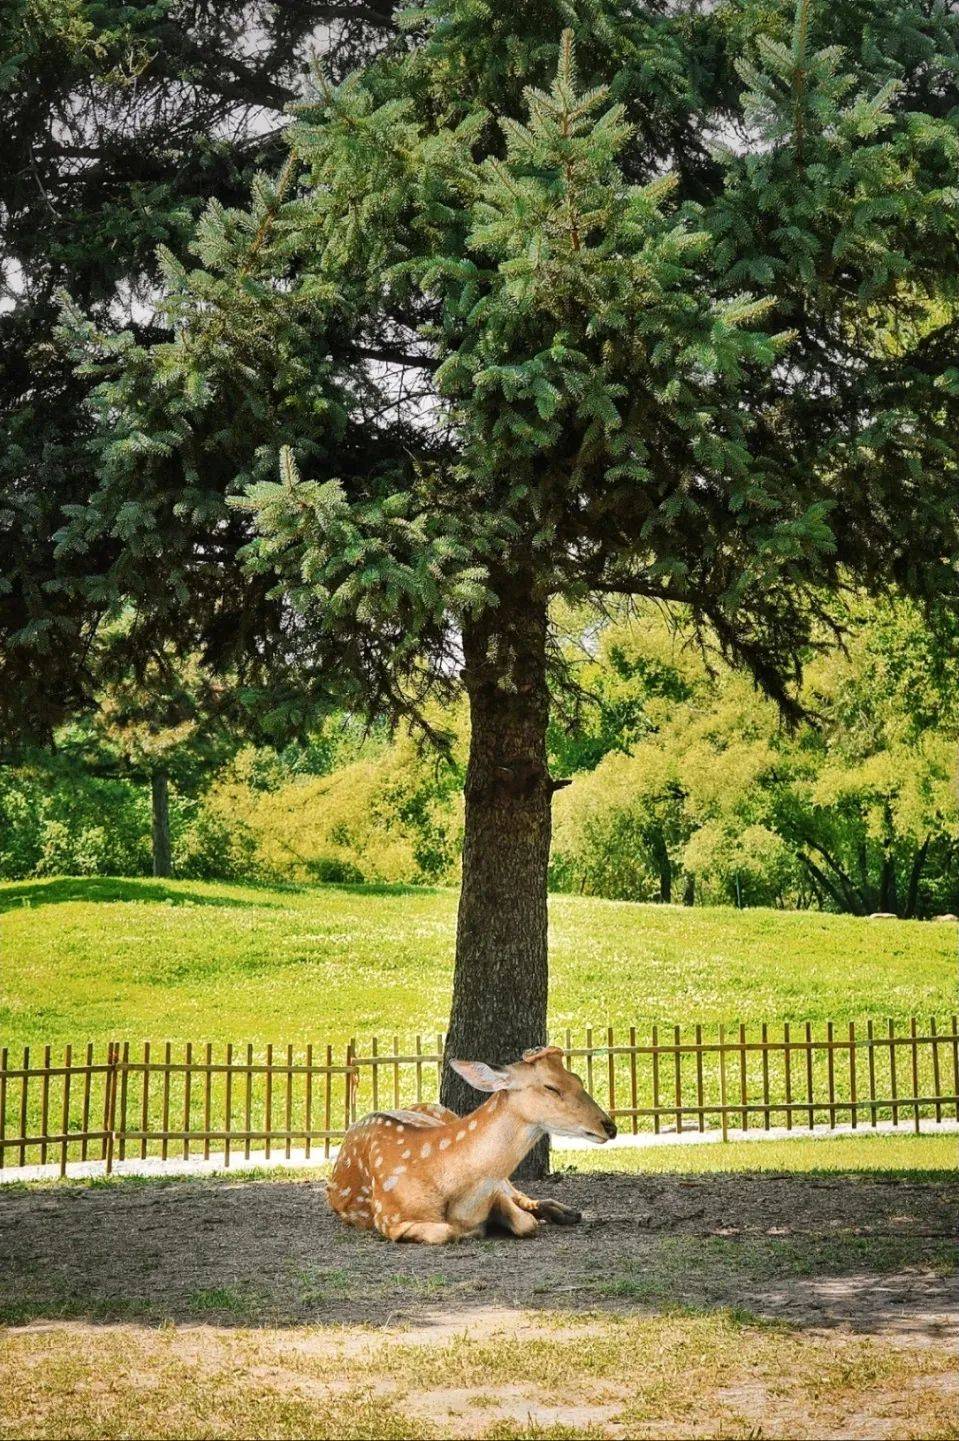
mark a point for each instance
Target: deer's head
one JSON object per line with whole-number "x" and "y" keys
{"x": 541, "y": 1092}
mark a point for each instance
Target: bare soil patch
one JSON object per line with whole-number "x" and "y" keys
{"x": 870, "y": 1255}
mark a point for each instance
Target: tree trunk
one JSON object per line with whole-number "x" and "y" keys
{"x": 664, "y": 867}
{"x": 915, "y": 876}
{"x": 689, "y": 890}
{"x": 162, "y": 863}
{"x": 500, "y": 978}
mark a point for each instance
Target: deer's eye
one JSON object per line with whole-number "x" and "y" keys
{"x": 553, "y": 1090}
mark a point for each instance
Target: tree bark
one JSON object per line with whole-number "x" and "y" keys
{"x": 915, "y": 876}
{"x": 500, "y": 977}
{"x": 664, "y": 867}
{"x": 162, "y": 861}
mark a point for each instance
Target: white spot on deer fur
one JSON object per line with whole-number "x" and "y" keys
{"x": 460, "y": 1135}
{"x": 444, "y": 1143}
{"x": 471, "y": 1126}
{"x": 390, "y": 1182}
{"x": 426, "y": 1150}
{"x": 407, "y": 1154}
{"x": 345, "y": 1190}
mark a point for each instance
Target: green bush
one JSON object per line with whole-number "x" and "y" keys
{"x": 55, "y": 820}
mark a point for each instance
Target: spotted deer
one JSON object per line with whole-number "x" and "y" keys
{"x": 426, "y": 1174}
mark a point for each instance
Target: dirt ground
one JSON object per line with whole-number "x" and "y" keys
{"x": 872, "y": 1255}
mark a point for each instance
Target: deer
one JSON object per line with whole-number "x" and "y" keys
{"x": 428, "y": 1175}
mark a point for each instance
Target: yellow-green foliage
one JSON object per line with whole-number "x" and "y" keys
{"x": 714, "y": 795}
{"x": 393, "y": 816}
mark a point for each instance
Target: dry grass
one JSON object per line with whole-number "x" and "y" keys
{"x": 504, "y": 1375}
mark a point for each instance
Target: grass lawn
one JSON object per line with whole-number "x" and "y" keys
{"x": 718, "y": 1374}
{"x": 91, "y": 960}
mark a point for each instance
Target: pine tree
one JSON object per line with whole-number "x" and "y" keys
{"x": 520, "y": 325}
{"x": 119, "y": 122}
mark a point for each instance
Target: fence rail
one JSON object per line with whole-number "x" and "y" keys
{"x": 121, "y": 1102}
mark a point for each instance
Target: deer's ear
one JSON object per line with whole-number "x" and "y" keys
{"x": 483, "y": 1077}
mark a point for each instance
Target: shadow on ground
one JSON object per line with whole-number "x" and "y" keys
{"x": 106, "y": 888}
{"x": 109, "y": 888}
{"x": 872, "y": 1255}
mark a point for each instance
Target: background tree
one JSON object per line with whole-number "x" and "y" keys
{"x": 119, "y": 123}
{"x": 527, "y": 342}
{"x": 169, "y": 722}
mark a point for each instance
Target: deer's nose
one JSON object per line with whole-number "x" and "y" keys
{"x": 609, "y": 1127}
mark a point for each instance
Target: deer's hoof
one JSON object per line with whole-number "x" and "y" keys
{"x": 558, "y": 1214}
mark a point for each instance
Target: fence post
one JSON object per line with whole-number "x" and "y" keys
{"x": 187, "y": 1087}
{"x": 722, "y": 1081}
{"x": 871, "y": 1043}
{"x": 701, "y": 1118}
{"x": 935, "y": 1067}
{"x": 611, "y": 1071}
{"x": 45, "y": 1105}
{"x": 349, "y": 1099}
{"x": 328, "y": 1099}
{"x": 124, "y": 1087}
{"x": 228, "y": 1106}
{"x": 65, "y": 1118}
{"x": 915, "y": 1072}
{"x": 113, "y": 1062}
{"x": 744, "y": 1109}
{"x": 677, "y": 1068}
{"x": 308, "y": 1101}
{"x": 23, "y": 1106}
{"x": 3, "y": 1105}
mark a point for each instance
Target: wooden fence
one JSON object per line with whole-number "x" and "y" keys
{"x": 123, "y": 1102}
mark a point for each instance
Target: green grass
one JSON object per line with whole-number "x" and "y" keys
{"x": 94, "y": 959}
{"x": 916, "y": 1157}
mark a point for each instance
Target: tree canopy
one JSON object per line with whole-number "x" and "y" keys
{"x": 567, "y": 300}
{"x": 120, "y": 122}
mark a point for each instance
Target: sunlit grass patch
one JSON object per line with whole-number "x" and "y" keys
{"x": 131, "y": 959}
{"x": 923, "y": 1156}
{"x": 717, "y": 1374}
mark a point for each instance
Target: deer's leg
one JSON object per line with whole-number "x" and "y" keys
{"x": 553, "y": 1211}
{"x": 504, "y": 1212}
{"x": 428, "y": 1233}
